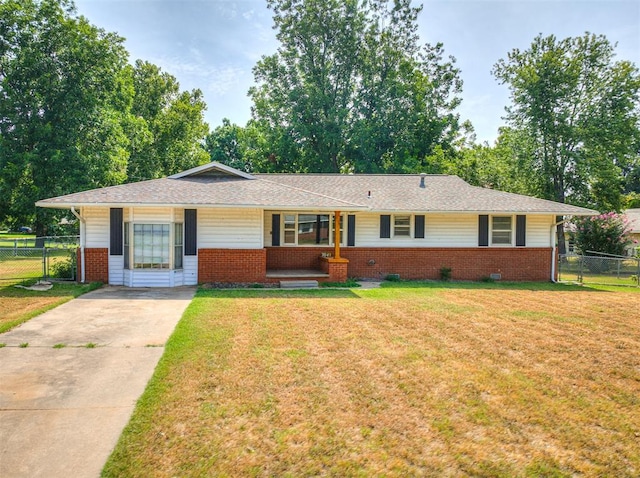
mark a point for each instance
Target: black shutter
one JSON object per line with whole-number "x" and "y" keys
{"x": 385, "y": 226}
{"x": 115, "y": 231}
{"x": 190, "y": 232}
{"x": 521, "y": 231}
{"x": 351, "y": 230}
{"x": 483, "y": 230}
{"x": 419, "y": 223}
{"x": 275, "y": 230}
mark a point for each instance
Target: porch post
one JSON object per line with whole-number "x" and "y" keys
{"x": 336, "y": 252}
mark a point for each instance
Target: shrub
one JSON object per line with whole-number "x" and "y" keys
{"x": 63, "y": 269}
{"x": 445, "y": 273}
{"x": 607, "y": 233}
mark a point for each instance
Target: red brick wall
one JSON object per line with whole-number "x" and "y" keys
{"x": 473, "y": 263}
{"x": 231, "y": 265}
{"x": 96, "y": 265}
{"x": 283, "y": 258}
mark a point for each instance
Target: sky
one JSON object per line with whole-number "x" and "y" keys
{"x": 214, "y": 44}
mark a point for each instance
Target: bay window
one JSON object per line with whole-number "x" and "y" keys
{"x": 153, "y": 246}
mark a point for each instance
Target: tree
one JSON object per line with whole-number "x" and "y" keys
{"x": 608, "y": 233}
{"x": 170, "y": 128}
{"x": 350, "y": 89}
{"x": 64, "y": 96}
{"x": 576, "y": 110}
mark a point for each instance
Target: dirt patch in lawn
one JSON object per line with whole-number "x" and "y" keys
{"x": 395, "y": 382}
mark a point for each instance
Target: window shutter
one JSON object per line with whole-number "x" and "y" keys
{"x": 419, "y": 225}
{"x": 483, "y": 230}
{"x": 351, "y": 230}
{"x": 385, "y": 226}
{"x": 521, "y": 231}
{"x": 190, "y": 232}
{"x": 115, "y": 231}
{"x": 275, "y": 230}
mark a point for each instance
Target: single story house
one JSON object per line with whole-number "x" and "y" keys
{"x": 633, "y": 215}
{"x": 217, "y": 224}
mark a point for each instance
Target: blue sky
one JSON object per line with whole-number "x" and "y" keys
{"x": 213, "y": 44}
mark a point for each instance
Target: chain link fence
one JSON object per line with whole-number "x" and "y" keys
{"x": 32, "y": 263}
{"x": 598, "y": 268}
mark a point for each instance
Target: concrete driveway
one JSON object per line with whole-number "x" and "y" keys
{"x": 63, "y": 409}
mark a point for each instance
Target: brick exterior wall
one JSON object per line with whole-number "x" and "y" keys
{"x": 96, "y": 266}
{"x": 232, "y": 265}
{"x": 336, "y": 268}
{"x": 472, "y": 263}
{"x": 283, "y": 258}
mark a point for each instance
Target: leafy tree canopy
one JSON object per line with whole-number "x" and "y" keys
{"x": 350, "y": 88}
{"x": 576, "y": 113}
{"x": 74, "y": 115}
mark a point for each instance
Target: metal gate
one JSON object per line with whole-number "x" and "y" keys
{"x": 32, "y": 263}
{"x": 599, "y": 268}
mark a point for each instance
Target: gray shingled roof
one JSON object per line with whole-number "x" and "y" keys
{"x": 314, "y": 191}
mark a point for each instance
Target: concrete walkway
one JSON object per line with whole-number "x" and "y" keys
{"x": 63, "y": 409}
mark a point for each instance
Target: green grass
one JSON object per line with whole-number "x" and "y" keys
{"x": 411, "y": 379}
{"x": 19, "y": 305}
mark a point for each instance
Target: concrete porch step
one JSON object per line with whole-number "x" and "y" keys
{"x": 298, "y": 284}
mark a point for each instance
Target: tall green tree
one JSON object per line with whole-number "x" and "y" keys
{"x": 64, "y": 96}
{"x": 351, "y": 89}
{"x": 576, "y": 111}
{"x": 170, "y": 128}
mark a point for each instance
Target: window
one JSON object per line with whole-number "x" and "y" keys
{"x": 126, "y": 249}
{"x": 310, "y": 229}
{"x": 289, "y": 228}
{"x": 501, "y": 228}
{"x": 178, "y": 243}
{"x": 402, "y": 226}
{"x": 313, "y": 229}
{"x": 151, "y": 246}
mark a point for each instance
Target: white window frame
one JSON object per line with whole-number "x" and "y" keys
{"x": 393, "y": 226}
{"x": 130, "y": 246}
{"x": 511, "y": 231}
{"x": 283, "y": 222}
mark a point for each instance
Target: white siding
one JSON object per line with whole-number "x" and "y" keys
{"x": 440, "y": 230}
{"x": 146, "y": 278}
{"x": 96, "y": 226}
{"x": 539, "y": 230}
{"x": 149, "y": 215}
{"x": 190, "y": 271}
{"x": 116, "y": 270}
{"x": 230, "y": 228}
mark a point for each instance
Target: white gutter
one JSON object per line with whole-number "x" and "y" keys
{"x": 553, "y": 249}
{"x": 83, "y": 233}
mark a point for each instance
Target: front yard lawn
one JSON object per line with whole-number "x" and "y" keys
{"x": 407, "y": 380}
{"x": 19, "y": 305}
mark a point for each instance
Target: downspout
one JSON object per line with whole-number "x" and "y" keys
{"x": 552, "y": 237}
{"x": 82, "y": 242}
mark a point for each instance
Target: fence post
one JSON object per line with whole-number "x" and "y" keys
{"x": 581, "y": 267}
{"x": 638, "y": 272}
{"x": 44, "y": 263}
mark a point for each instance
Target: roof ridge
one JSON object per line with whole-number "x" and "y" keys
{"x": 314, "y": 193}
{"x": 342, "y": 175}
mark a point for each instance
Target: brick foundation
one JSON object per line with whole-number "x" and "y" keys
{"x": 472, "y": 263}
{"x": 232, "y": 265}
{"x": 96, "y": 266}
